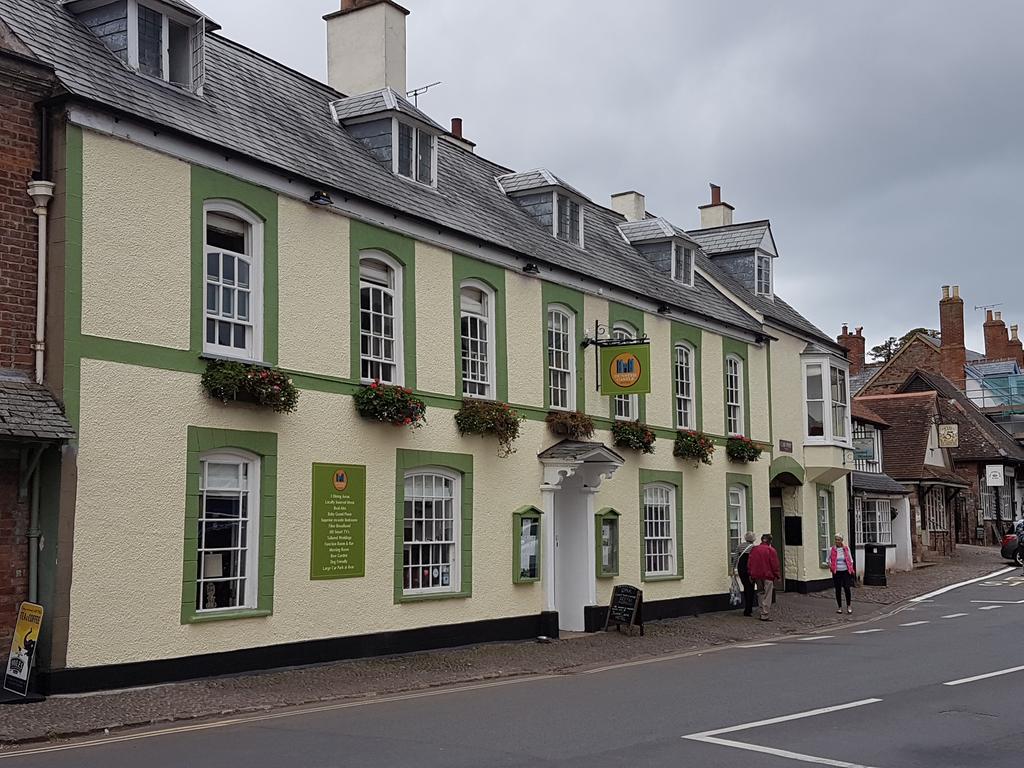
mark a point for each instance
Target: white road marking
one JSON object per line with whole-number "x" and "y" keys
{"x": 1001, "y": 602}
{"x": 985, "y": 676}
{"x": 867, "y": 631}
{"x": 757, "y": 645}
{"x": 914, "y": 623}
{"x": 954, "y": 615}
{"x": 990, "y": 608}
{"x": 951, "y": 587}
{"x": 709, "y": 737}
{"x": 814, "y": 637}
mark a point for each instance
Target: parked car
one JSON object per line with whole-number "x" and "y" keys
{"x": 1012, "y": 549}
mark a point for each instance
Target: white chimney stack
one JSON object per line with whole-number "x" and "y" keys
{"x": 366, "y": 47}
{"x": 632, "y": 205}
{"x": 716, "y": 213}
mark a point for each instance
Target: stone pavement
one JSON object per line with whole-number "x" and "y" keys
{"x": 66, "y": 716}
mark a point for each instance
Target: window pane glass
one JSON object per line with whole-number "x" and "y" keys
{"x": 815, "y": 390}
{"x": 405, "y": 144}
{"x": 151, "y": 48}
{"x": 816, "y": 419}
{"x": 424, "y": 160}
{"x": 529, "y": 545}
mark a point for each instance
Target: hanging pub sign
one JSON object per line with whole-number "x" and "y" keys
{"x": 625, "y": 369}
{"x": 23, "y": 648}
{"x": 994, "y": 475}
{"x": 864, "y": 449}
{"x": 949, "y": 435}
{"x": 338, "y": 544}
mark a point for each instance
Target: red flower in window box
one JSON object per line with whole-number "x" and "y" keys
{"x": 391, "y": 405}
{"x": 228, "y": 380}
{"x": 742, "y": 449}
{"x": 691, "y": 444}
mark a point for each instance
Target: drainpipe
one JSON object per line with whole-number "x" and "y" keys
{"x": 41, "y": 193}
{"x": 31, "y": 473}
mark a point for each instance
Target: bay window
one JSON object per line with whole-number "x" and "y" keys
{"x": 232, "y": 283}
{"x": 826, "y": 401}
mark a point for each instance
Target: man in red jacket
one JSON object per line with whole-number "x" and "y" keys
{"x": 763, "y": 564}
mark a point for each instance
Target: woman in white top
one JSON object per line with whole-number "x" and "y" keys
{"x": 840, "y": 562}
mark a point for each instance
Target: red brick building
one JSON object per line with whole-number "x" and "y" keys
{"x": 31, "y": 423}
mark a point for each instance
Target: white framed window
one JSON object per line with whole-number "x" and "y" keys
{"x": 873, "y": 520}
{"x": 736, "y": 516}
{"x": 568, "y": 220}
{"x": 233, "y": 281}
{"x": 228, "y": 535}
{"x": 764, "y": 275}
{"x": 936, "y": 514}
{"x": 415, "y": 155}
{"x": 476, "y": 302}
{"x": 431, "y": 532}
{"x": 686, "y": 415}
{"x": 682, "y": 264}
{"x": 826, "y": 401}
{"x": 561, "y": 358}
{"x": 824, "y": 526}
{"x": 380, "y": 318}
{"x": 627, "y": 407}
{"x": 659, "y": 530}
{"x": 867, "y": 448}
{"x": 734, "y": 423}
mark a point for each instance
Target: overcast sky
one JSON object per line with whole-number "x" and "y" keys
{"x": 885, "y": 141}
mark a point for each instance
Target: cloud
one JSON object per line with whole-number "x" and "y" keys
{"x": 882, "y": 139}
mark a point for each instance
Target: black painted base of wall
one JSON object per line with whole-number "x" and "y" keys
{"x": 594, "y": 615}
{"x": 803, "y": 587}
{"x": 81, "y": 680}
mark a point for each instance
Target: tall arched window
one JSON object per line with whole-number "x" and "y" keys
{"x": 431, "y": 531}
{"x": 233, "y": 281}
{"x": 228, "y": 546}
{"x": 734, "y": 395}
{"x": 736, "y": 513}
{"x": 561, "y": 358}
{"x": 659, "y": 530}
{"x": 476, "y": 302}
{"x": 686, "y": 416}
{"x": 627, "y": 407}
{"x": 380, "y": 318}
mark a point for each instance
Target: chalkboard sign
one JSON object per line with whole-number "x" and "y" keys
{"x": 626, "y": 607}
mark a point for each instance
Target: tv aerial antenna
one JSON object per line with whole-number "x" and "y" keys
{"x": 414, "y": 94}
{"x": 984, "y": 307}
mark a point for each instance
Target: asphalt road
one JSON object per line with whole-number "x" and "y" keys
{"x": 900, "y": 692}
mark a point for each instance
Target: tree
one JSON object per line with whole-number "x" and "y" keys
{"x": 888, "y": 348}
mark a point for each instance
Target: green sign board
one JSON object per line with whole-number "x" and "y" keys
{"x": 338, "y": 547}
{"x": 625, "y": 369}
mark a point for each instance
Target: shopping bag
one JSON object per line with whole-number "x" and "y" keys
{"x": 735, "y": 592}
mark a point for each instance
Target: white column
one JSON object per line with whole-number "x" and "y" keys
{"x": 589, "y": 494}
{"x": 547, "y": 527}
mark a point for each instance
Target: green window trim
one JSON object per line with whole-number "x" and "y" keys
{"x": 462, "y": 463}
{"x": 525, "y": 513}
{"x": 570, "y": 299}
{"x": 747, "y": 481}
{"x": 831, "y": 494}
{"x": 610, "y": 514}
{"x": 263, "y": 444}
{"x": 688, "y": 334}
{"x": 463, "y": 269}
{"x": 619, "y": 313}
{"x": 208, "y": 185}
{"x": 648, "y": 476}
{"x": 365, "y": 237}
{"x": 739, "y": 349}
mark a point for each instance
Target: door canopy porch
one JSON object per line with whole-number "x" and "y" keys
{"x": 592, "y": 462}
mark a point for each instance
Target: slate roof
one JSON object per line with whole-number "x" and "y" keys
{"x": 379, "y": 102}
{"x": 187, "y": 8}
{"x": 29, "y": 412}
{"x": 653, "y": 228}
{"x": 877, "y": 482}
{"x": 858, "y": 380}
{"x": 576, "y": 450}
{"x": 980, "y": 438}
{"x": 995, "y": 367}
{"x": 538, "y": 178}
{"x": 732, "y": 238}
{"x": 254, "y": 106}
{"x": 905, "y": 444}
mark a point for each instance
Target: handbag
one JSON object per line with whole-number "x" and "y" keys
{"x": 735, "y": 593}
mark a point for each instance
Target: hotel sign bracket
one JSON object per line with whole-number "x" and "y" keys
{"x": 602, "y": 339}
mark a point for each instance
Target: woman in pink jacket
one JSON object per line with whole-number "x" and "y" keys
{"x": 840, "y": 562}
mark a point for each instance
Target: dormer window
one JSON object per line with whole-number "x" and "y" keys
{"x": 163, "y": 39}
{"x": 682, "y": 264}
{"x": 569, "y": 221}
{"x": 394, "y": 131}
{"x": 763, "y": 281}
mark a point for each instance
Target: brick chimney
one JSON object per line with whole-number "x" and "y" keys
{"x": 455, "y": 136}
{"x": 1015, "y": 348}
{"x": 953, "y": 353}
{"x": 366, "y": 47}
{"x": 631, "y": 204}
{"x": 854, "y": 344}
{"x": 996, "y": 337}
{"x": 716, "y": 213}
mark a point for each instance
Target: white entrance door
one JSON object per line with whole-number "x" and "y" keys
{"x": 574, "y": 553}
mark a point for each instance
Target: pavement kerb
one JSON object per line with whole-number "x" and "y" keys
{"x": 159, "y": 726}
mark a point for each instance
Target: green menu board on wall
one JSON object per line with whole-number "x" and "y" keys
{"x": 338, "y": 545}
